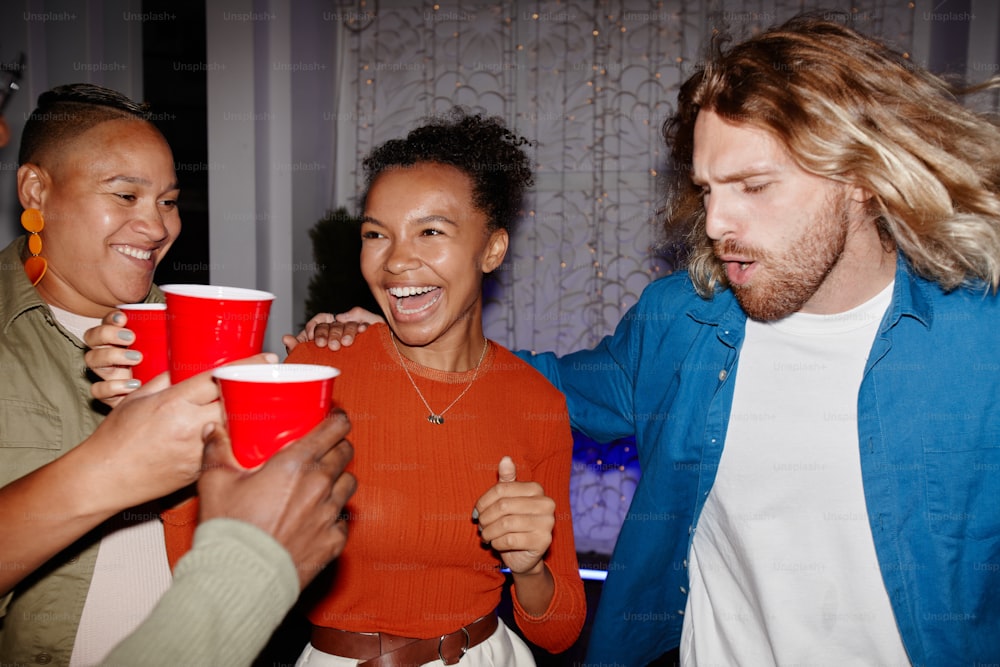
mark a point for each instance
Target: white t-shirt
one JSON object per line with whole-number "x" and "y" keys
{"x": 131, "y": 571}
{"x": 782, "y": 566}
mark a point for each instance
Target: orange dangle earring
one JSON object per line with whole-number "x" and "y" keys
{"x": 35, "y": 265}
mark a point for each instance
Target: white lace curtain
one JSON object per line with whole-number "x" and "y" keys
{"x": 592, "y": 82}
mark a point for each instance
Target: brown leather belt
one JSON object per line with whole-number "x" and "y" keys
{"x": 381, "y": 649}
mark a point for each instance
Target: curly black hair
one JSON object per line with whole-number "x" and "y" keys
{"x": 66, "y": 112}
{"x": 481, "y": 147}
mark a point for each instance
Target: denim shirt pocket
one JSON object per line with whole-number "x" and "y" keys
{"x": 963, "y": 485}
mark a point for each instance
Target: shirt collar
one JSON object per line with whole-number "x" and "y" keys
{"x": 910, "y": 296}
{"x": 721, "y": 310}
{"x": 17, "y": 294}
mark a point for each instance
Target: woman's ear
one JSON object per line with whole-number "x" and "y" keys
{"x": 32, "y": 182}
{"x": 496, "y": 250}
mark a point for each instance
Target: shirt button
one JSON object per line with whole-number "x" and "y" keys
{"x": 722, "y": 375}
{"x": 43, "y": 658}
{"x": 684, "y": 590}
{"x": 685, "y": 564}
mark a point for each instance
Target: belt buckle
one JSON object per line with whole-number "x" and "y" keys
{"x": 464, "y": 649}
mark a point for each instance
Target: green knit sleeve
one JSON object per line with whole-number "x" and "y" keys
{"x": 228, "y": 595}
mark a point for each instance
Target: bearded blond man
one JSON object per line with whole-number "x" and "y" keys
{"x": 814, "y": 397}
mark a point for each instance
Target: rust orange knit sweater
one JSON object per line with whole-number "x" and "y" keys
{"x": 414, "y": 564}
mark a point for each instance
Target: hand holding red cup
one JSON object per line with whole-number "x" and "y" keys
{"x": 148, "y": 321}
{"x": 269, "y": 405}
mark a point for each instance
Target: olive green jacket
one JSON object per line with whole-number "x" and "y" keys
{"x": 45, "y": 410}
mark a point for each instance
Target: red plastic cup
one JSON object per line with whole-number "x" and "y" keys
{"x": 210, "y": 325}
{"x": 269, "y": 405}
{"x": 148, "y": 321}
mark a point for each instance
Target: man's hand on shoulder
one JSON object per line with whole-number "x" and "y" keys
{"x": 333, "y": 331}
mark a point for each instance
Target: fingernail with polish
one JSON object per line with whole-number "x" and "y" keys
{"x": 134, "y": 355}
{"x": 126, "y": 335}
{"x": 133, "y": 384}
{"x": 475, "y": 514}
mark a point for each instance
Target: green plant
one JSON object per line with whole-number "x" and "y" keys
{"x": 337, "y": 284}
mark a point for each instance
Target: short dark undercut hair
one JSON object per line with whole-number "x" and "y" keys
{"x": 481, "y": 147}
{"x": 65, "y": 112}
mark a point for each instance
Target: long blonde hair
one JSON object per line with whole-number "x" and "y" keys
{"x": 848, "y": 108}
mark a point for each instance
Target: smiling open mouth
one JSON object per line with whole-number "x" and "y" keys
{"x": 411, "y": 300}
{"x": 134, "y": 252}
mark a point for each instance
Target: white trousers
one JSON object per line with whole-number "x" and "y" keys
{"x": 503, "y": 649}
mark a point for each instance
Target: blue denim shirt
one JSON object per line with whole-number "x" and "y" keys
{"x": 929, "y": 436}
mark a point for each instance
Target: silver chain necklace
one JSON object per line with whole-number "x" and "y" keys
{"x": 437, "y": 417}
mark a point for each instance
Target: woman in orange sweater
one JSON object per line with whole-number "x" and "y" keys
{"x": 462, "y": 452}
